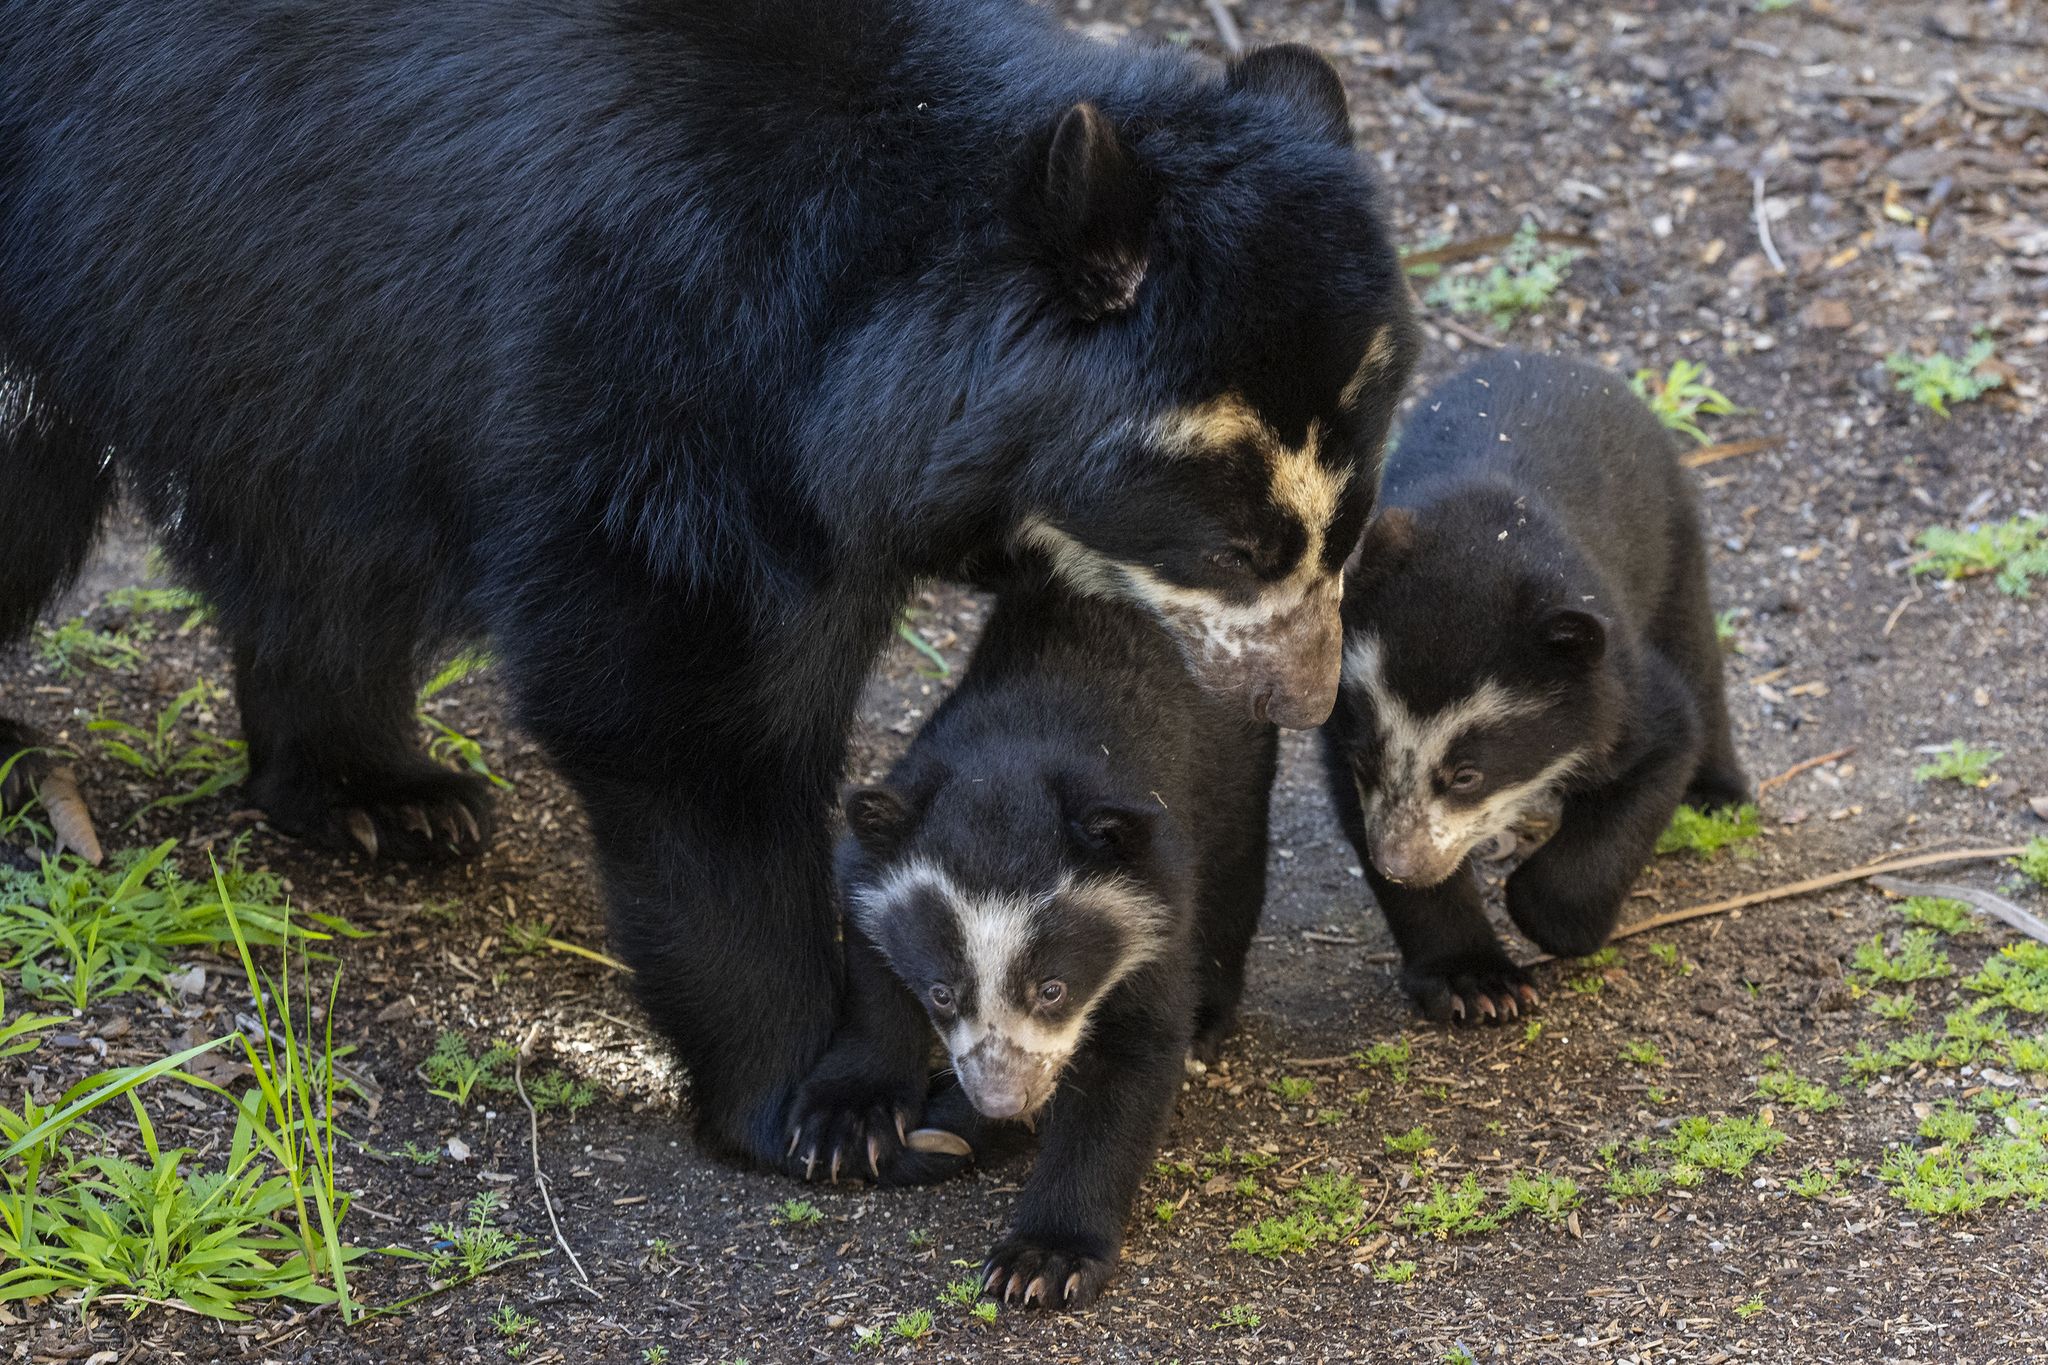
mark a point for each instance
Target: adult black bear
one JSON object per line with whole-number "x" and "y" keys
{"x": 665, "y": 344}
{"x": 1063, "y": 873}
{"x": 1528, "y": 633}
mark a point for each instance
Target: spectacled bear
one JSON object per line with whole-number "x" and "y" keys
{"x": 1064, "y": 873}
{"x": 663, "y": 345}
{"x": 1528, "y": 638}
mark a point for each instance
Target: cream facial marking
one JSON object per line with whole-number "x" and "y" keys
{"x": 1008, "y": 1057}
{"x": 1416, "y": 837}
{"x": 1379, "y": 353}
{"x": 1282, "y": 645}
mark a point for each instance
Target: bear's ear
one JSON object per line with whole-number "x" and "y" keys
{"x": 1091, "y": 207}
{"x": 1577, "y": 636}
{"x": 1388, "y": 541}
{"x": 1299, "y": 75}
{"x": 878, "y": 818}
{"x": 1122, "y": 833}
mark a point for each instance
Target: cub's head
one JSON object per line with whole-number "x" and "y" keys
{"x": 1209, "y": 336}
{"x": 1474, "y": 687}
{"x": 1011, "y": 910}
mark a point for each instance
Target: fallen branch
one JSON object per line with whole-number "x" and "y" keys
{"x": 1469, "y": 333}
{"x": 1474, "y": 247}
{"x": 1811, "y": 884}
{"x": 540, "y": 1177}
{"x": 1804, "y": 765}
{"x": 1728, "y": 450}
{"x": 2028, "y": 923}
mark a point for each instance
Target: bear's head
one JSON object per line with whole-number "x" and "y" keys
{"x": 1208, "y": 335}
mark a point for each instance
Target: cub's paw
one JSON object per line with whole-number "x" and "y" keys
{"x": 1048, "y": 1272}
{"x": 950, "y": 1136}
{"x": 421, "y": 816}
{"x": 1470, "y": 987}
{"x": 850, "y": 1122}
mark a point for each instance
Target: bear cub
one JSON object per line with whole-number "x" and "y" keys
{"x": 1063, "y": 874}
{"x": 1528, "y": 641}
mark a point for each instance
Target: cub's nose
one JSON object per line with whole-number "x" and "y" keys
{"x": 1397, "y": 863}
{"x": 999, "y": 1099}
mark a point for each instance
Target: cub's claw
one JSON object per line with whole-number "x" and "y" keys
{"x": 1028, "y": 1274}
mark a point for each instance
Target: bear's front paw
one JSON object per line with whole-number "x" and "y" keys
{"x": 850, "y": 1124}
{"x": 1559, "y": 919}
{"x": 1047, "y": 1272}
{"x": 1469, "y": 987}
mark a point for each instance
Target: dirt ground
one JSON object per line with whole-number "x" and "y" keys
{"x": 1901, "y": 148}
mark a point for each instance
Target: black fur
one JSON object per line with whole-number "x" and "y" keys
{"x": 1075, "y": 743}
{"x": 662, "y": 343}
{"x": 1537, "y": 530}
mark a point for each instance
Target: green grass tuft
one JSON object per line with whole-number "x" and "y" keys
{"x": 1959, "y": 762}
{"x": 1451, "y": 1211}
{"x": 1940, "y": 379}
{"x": 1550, "y": 1197}
{"x": 1726, "y": 1145}
{"x": 1939, "y": 913}
{"x": 1708, "y": 832}
{"x": 1681, "y": 397}
{"x": 1918, "y": 957}
{"x": 2014, "y": 552}
{"x": 1520, "y": 282}
{"x": 2033, "y": 861}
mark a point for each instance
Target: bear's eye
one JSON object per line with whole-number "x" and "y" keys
{"x": 941, "y": 997}
{"x": 1230, "y": 559}
{"x": 1466, "y": 779}
{"x": 1050, "y": 993}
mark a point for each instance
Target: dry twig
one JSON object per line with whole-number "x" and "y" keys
{"x": 1803, "y": 765}
{"x": 1728, "y": 450}
{"x": 540, "y": 1177}
{"x": 1226, "y": 27}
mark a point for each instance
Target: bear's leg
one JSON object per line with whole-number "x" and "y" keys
{"x": 54, "y": 488}
{"x": 1227, "y": 908}
{"x": 1567, "y": 897}
{"x": 1452, "y": 965}
{"x": 334, "y": 751}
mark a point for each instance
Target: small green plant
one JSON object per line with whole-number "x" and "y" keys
{"x": 1392, "y": 1058}
{"x": 797, "y": 1213}
{"x": 1897, "y": 1008}
{"x": 1788, "y": 1087}
{"x": 1237, "y": 1317}
{"x": 1586, "y": 984}
{"x": 1451, "y": 1211}
{"x": 1959, "y": 762}
{"x": 510, "y": 1322}
{"x": 477, "y": 1245}
{"x": 1725, "y": 634}
{"x": 453, "y": 1072}
{"x": 1681, "y": 397}
{"x": 984, "y": 1312}
{"x": 1918, "y": 957}
{"x": 1938, "y": 912}
{"x": 961, "y": 1293}
{"x": 1520, "y": 282}
{"x": 1550, "y": 1197}
{"x": 171, "y": 748}
{"x": 1726, "y": 1145}
{"x": 654, "y": 1355}
{"x": 2014, "y": 552}
{"x": 1949, "y": 1125}
{"x": 934, "y": 665}
{"x": 1815, "y": 1182}
{"x": 1773, "y": 6}
{"x": 553, "y": 1090}
{"x": 2015, "y": 978}
{"x": 444, "y": 742}
{"x": 2033, "y": 861}
{"x": 1293, "y": 1089}
{"x": 1937, "y": 380}
{"x": 1409, "y": 1143}
{"x": 1531, "y": 1031}
{"x": 919, "y": 1238}
{"x": 1328, "y": 1208}
{"x": 71, "y": 646}
{"x": 1636, "y": 1182}
{"x": 1641, "y": 1052}
{"x": 1458, "y": 1355}
{"x": 146, "y": 602}
{"x": 913, "y": 1326}
{"x": 1749, "y": 1309}
{"x": 867, "y": 1339}
{"x": 1708, "y": 832}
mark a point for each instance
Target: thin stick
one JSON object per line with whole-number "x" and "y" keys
{"x": 1226, "y": 27}
{"x": 540, "y": 1177}
{"x": 1790, "y": 889}
{"x": 1728, "y": 450}
{"x": 1803, "y": 765}
{"x": 1453, "y": 252}
{"x": 1470, "y": 334}
{"x": 1763, "y": 222}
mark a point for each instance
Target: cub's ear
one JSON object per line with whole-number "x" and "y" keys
{"x": 1090, "y": 206}
{"x": 878, "y": 819}
{"x": 1388, "y": 541}
{"x": 1299, "y": 75}
{"x": 1123, "y": 833}
{"x": 1578, "y": 636}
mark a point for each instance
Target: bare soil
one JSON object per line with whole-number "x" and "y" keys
{"x": 1905, "y": 193}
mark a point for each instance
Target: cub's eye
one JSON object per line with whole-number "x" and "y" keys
{"x": 1466, "y": 779}
{"x": 1230, "y": 560}
{"x": 1051, "y": 993}
{"x": 942, "y": 997}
